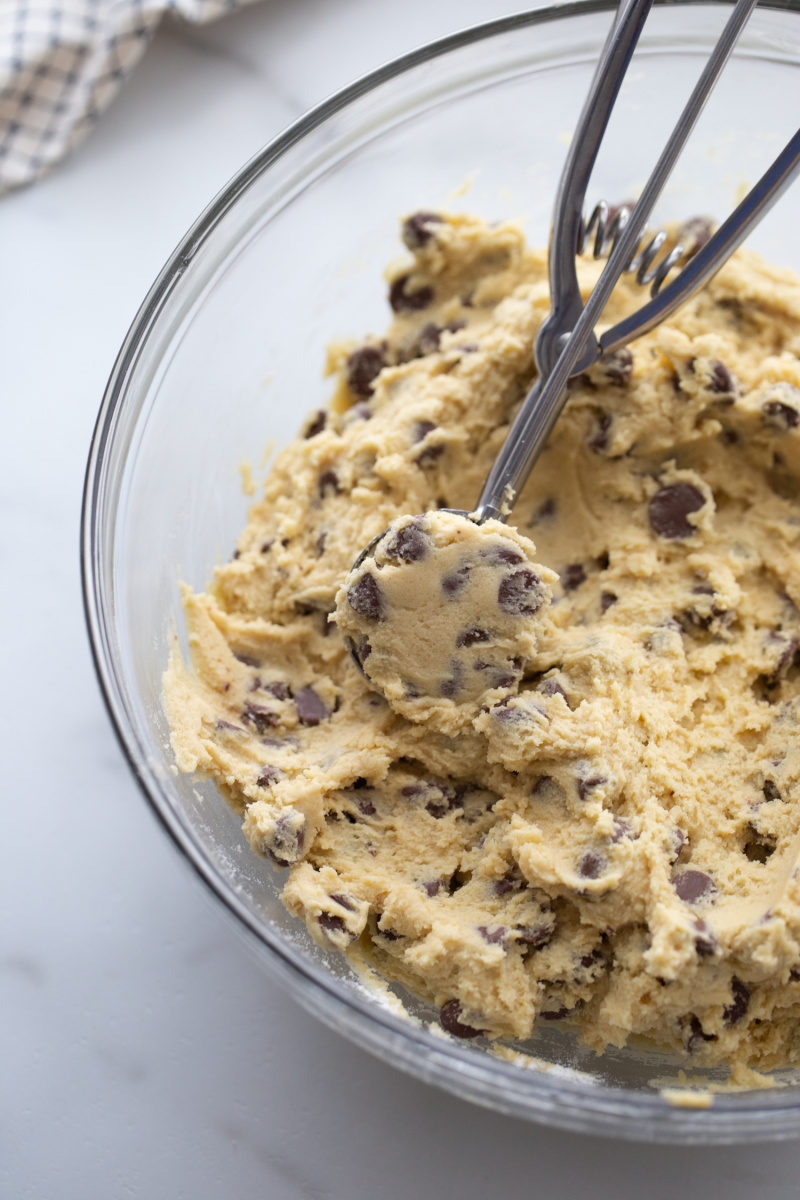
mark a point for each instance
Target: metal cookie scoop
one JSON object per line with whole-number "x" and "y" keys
{"x": 566, "y": 344}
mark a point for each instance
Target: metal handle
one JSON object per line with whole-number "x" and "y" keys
{"x": 565, "y": 296}
{"x": 577, "y": 348}
{"x": 705, "y": 264}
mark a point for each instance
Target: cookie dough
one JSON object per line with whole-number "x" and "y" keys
{"x": 442, "y": 615}
{"x": 612, "y": 839}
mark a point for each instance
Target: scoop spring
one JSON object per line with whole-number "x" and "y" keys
{"x": 606, "y": 223}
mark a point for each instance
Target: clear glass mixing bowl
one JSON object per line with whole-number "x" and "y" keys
{"x": 226, "y": 354}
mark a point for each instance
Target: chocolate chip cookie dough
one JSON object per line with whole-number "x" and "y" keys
{"x": 609, "y": 836}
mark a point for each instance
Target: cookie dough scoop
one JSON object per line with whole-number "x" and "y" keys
{"x": 441, "y": 610}
{"x": 442, "y": 615}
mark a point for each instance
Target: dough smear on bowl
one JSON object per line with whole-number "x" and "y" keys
{"x": 607, "y": 830}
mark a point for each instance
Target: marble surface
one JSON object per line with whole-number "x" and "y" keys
{"x": 144, "y": 1053}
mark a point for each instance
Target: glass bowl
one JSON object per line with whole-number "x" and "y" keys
{"x": 226, "y": 355}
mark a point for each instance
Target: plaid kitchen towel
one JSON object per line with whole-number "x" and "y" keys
{"x": 61, "y": 64}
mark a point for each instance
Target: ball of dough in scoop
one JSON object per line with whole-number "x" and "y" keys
{"x": 443, "y": 615}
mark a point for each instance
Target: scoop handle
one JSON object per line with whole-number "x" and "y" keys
{"x": 574, "y": 345}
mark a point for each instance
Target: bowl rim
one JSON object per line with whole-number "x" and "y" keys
{"x": 545, "y": 1096}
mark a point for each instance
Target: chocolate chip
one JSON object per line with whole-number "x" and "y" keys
{"x": 671, "y": 505}
{"x": 310, "y": 709}
{"x": 363, "y": 651}
{"x": 432, "y": 887}
{"x": 247, "y": 659}
{"x": 443, "y": 801}
{"x": 509, "y": 716}
{"x": 267, "y": 545}
{"x": 429, "y": 337}
{"x": 329, "y": 484}
{"x": 417, "y": 231}
{"x": 452, "y": 584}
{"x": 679, "y": 840}
{"x": 503, "y": 679}
{"x": 268, "y": 775}
{"x": 694, "y": 234}
{"x": 544, "y": 512}
{"x": 615, "y": 367}
{"x": 472, "y": 637}
{"x": 586, "y": 784}
{"x": 332, "y": 923}
{"x": 345, "y": 902}
{"x": 450, "y": 1017}
{"x": 600, "y": 439}
{"x": 494, "y": 937}
{"x": 365, "y": 806}
{"x": 551, "y": 687}
{"x": 740, "y": 1002}
{"x": 304, "y": 609}
{"x": 533, "y": 935}
{"x": 429, "y": 455}
{"x": 520, "y": 594}
{"x": 697, "y": 1034}
{"x": 450, "y": 688}
{"x": 555, "y": 1014}
{"x": 589, "y": 960}
{"x": 705, "y": 940}
{"x": 366, "y": 598}
{"x": 692, "y": 885}
{"x": 259, "y": 717}
{"x": 236, "y": 554}
{"x": 281, "y": 691}
{"x": 606, "y": 600}
{"x": 316, "y": 424}
{"x": 770, "y": 790}
{"x": 402, "y": 300}
{"x": 722, "y": 381}
{"x": 622, "y": 829}
{"x": 423, "y": 428}
{"x": 781, "y": 416}
{"x": 364, "y": 366}
{"x": 389, "y": 934}
{"x": 230, "y": 727}
{"x": 572, "y": 577}
{"x": 591, "y": 865}
{"x": 288, "y": 839}
{"x": 509, "y": 883}
{"x": 320, "y": 544}
{"x": 757, "y": 848}
{"x": 501, "y": 556}
{"x": 409, "y": 544}
{"x": 437, "y": 810}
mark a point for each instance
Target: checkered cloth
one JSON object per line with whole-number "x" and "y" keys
{"x": 61, "y": 64}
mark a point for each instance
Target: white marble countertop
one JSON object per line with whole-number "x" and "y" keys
{"x": 144, "y": 1053}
